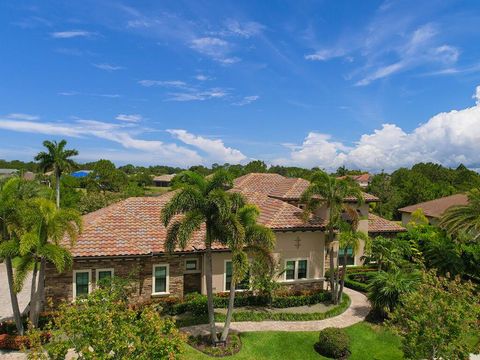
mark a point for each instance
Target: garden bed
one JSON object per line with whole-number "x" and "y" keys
{"x": 203, "y": 343}
{"x": 359, "y": 280}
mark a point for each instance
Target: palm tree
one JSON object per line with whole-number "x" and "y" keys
{"x": 330, "y": 192}
{"x": 463, "y": 220}
{"x": 203, "y": 202}
{"x": 350, "y": 239}
{"x": 43, "y": 230}
{"x": 257, "y": 241}
{"x": 57, "y": 159}
{"x": 9, "y": 246}
{"x": 385, "y": 289}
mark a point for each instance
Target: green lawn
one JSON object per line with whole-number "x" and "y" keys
{"x": 368, "y": 342}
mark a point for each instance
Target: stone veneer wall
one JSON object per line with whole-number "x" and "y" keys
{"x": 59, "y": 287}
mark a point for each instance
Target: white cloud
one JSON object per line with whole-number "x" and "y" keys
{"x": 197, "y": 95}
{"x": 325, "y": 54}
{"x": 448, "y": 138}
{"x": 134, "y": 118}
{"x": 71, "y": 34}
{"x": 245, "y": 30}
{"x": 167, "y": 83}
{"x": 201, "y": 77}
{"x": 21, "y": 116}
{"x": 108, "y": 67}
{"x": 247, "y": 100}
{"x": 214, "y": 47}
{"x": 216, "y": 149}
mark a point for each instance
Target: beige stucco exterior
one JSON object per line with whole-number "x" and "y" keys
{"x": 309, "y": 245}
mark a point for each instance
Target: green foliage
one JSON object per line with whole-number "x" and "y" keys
{"x": 359, "y": 280}
{"x": 389, "y": 253}
{"x": 436, "y": 321}
{"x": 255, "y": 166}
{"x": 333, "y": 343}
{"x": 106, "y": 177}
{"x": 104, "y": 326}
{"x": 386, "y": 288}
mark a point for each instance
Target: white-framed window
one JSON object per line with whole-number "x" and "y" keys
{"x": 191, "y": 266}
{"x": 101, "y": 274}
{"x": 296, "y": 269}
{"x": 160, "y": 279}
{"x": 227, "y": 278}
{"x": 82, "y": 282}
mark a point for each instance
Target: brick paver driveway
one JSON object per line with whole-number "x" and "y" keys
{"x": 23, "y": 296}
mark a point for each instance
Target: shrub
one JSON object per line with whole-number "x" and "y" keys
{"x": 333, "y": 343}
{"x": 359, "y": 280}
{"x": 13, "y": 342}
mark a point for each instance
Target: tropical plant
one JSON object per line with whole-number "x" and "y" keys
{"x": 83, "y": 325}
{"x": 439, "y": 320}
{"x": 42, "y": 232}
{"x": 58, "y": 159}
{"x": 248, "y": 238}
{"x": 331, "y": 193}
{"x": 350, "y": 239}
{"x": 203, "y": 202}
{"x": 385, "y": 288}
{"x": 463, "y": 220}
{"x": 386, "y": 253}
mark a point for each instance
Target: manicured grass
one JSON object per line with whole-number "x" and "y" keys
{"x": 155, "y": 191}
{"x": 367, "y": 342}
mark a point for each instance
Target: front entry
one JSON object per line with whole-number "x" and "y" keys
{"x": 192, "y": 283}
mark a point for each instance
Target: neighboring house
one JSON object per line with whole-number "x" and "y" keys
{"x": 81, "y": 173}
{"x": 163, "y": 180}
{"x": 433, "y": 209}
{"x": 363, "y": 180}
{"x": 4, "y": 173}
{"x": 128, "y": 239}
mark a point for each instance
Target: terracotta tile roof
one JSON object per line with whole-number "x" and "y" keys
{"x": 435, "y": 208}
{"x": 377, "y": 224}
{"x": 133, "y": 226}
{"x": 280, "y": 187}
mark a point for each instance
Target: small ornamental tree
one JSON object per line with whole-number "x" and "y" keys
{"x": 103, "y": 325}
{"x": 438, "y": 320}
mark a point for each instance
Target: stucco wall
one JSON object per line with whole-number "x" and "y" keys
{"x": 311, "y": 247}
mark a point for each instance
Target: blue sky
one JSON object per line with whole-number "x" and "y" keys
{"x": 367, "y": 84}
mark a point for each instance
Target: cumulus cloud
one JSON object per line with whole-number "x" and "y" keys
{"x": 71, "y": 34}
{"x": 448, "y": 138}
{"x": 216, "y": 149}
{"x": 134, "y": 118}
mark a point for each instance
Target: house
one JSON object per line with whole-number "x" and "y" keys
{"x": 128, "y": 239}
{"x": 163, "y": 180}
{"x": 363, "y": 179}
{"x": 4, "y": 173}
{"x": 433, "y": 209}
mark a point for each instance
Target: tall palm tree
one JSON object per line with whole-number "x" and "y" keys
{"x": 43, "y": 230}
{"x": 463, "y": 220}
{"x": 257, "y": 241}
{"x": 350, "y": 239}
{"x": 58, "y": 159}
{"x": 326, "y": 190}
{"x": 203, "y": 202}
{"x": 9, "y": 247}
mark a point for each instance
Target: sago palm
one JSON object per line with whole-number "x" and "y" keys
{"x": 58, "y": 159}
{"x": 42, "y": 232}
{"x": 326, "y": 190}
{"x": 463, "y": 220}
{"x": 385, "y": 289}
{"x": 202, "y": 202}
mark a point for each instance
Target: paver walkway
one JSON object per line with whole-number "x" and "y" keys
{"x": 357, "y": 312}
{"x": 23, "y": 296}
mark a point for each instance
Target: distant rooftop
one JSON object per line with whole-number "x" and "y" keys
{"x": 435, "y": 208}
{"x": 165, "y": 177}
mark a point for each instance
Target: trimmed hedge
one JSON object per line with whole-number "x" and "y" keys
{"x": 333, "y": 343}
{"x": 197, "y": 304}
{"x": 359, "y": 280}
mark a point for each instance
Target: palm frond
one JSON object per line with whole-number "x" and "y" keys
{"x": 186, "y": 199}
{"x": 221, "y": 179}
